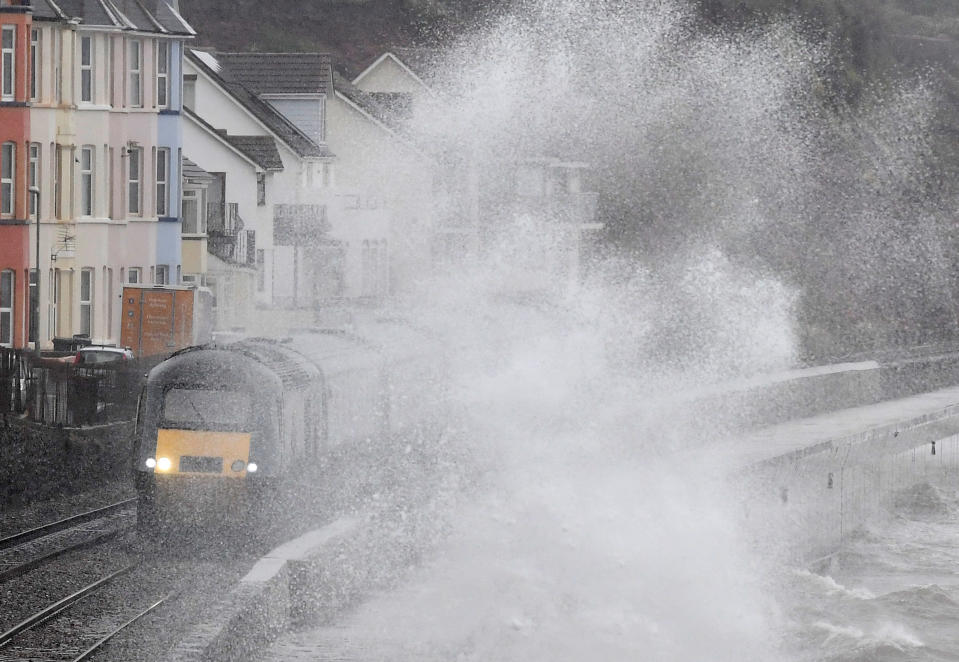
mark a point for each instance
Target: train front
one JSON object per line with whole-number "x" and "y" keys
{"x": 205, "y": 424}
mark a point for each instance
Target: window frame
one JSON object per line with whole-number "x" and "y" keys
{"x": 134, "y": 155}
{"x": 8, "y": 178}
{"x": 135, "y": 52}
{"x": 163, "y": 181}
{"x": 197, "y": 196}
{"x": 87, "y": 303}
{"x": 87, "y": 70}
{"x": 163, "y": 269}
{"x": 87, "y": 180}
{"x": 6, "y": 328}
{"x": 8, "y": 63}
{"x": 35, "y": 70}
{"x": 163, "y": 77}
{"x": 33, "y": 174}
{"x": 139, "y": 276}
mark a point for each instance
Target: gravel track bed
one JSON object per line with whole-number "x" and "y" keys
{"x": 22, "y": 596}
{"x": 199, "y": 585}
{"x": 38, "y": 513}
{"x": 99, "y": 614}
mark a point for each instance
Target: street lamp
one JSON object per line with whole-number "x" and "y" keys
{"x": 36, "y": 337}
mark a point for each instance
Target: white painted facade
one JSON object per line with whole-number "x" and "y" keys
{"x": 286, "y": 275}
{"x": 82, "y": 128}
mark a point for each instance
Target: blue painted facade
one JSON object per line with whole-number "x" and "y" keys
{"x": 170, "y": 136}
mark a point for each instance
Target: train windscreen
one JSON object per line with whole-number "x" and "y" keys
{"x": 207, "y": 408}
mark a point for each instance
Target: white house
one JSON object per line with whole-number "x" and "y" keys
{"x": 315, "y": 240}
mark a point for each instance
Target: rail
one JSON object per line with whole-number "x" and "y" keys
{"x": 58, "y": 607}
{"x": 66, "y": 522}
{"x": 103, "y": 640}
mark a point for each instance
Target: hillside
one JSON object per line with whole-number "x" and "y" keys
{"x": 354, "y": 31}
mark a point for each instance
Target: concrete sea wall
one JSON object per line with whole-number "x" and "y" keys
{"x": 833, "y": 480}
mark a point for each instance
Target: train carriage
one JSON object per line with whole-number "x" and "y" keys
{"x": 221, "y": 429}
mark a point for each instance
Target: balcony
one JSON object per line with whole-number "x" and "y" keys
{"x": 227, "y": 238}
{"x": 577, "y": 209}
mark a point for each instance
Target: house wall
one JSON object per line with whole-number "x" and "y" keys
{"x": 385, "y": 171}
{"x": 111, "y": 240}
{"x": 15, "y": 129}
{"x": 170, "y": 136}
{"x": 306, "y": 114}
{"x": 388, "y": 76}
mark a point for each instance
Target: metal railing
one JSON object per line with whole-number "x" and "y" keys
{"x": 226, "y": 237}
{"x": 54, "y": 391}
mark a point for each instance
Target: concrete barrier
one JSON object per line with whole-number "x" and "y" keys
{"x": 308, "y": 580}
{"x": 821, "y": 478}
{"x": 258, "y": 608}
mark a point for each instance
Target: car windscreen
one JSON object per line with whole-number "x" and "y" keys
{"x": 207, "y": 409}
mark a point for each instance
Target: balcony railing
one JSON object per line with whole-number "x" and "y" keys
{"x": 227, "y": 238}
{"x": 572, "y": 208}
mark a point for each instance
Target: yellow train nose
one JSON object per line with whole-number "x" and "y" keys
{"x": 204, "y": 452}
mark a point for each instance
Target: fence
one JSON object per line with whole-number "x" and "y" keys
{"x": 54, "y": 391}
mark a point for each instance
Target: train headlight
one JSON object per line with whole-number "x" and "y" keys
{"x": 151, "y": 463}
{"x": 251, "y": 468}
{"x": 163, "y": 464}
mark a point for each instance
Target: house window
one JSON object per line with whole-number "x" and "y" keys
{"x": 6, "y": 307}
{"x": 86, "y": 69}
{"x": 382, "y": 269}
{"x": 133, "y": 276}
{"x": 108, "y": 280}
{"x": 162, "y": 275}
{"x": 260, "y": 270}
{"x": 57, "y": 78}
{"x": 34, "y": 64}
{"x": 134, "y": 156}
{"x": 34, "y": 174}
{"x": 34, "y": 307}
{"x": 111, "y": 74}
{"x": 57, "y": 174}
{"x": 8, "y": 41}
{"x": 86, "y": 302}
{"x": 163, "y": 73}
{"x": 111, "y": 210}
{"x": 163, "y": 177}
{"x": 135, "y": 65}
{"x": 192, "y": 212}
{"x": 86, "y": 180}
{"x": 54, "y": 304}
{"x": 8, "y": 153}
{"x": 261, "y": 189}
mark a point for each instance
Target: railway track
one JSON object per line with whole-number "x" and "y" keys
{"x": 24, "y": 551}
{"x": 47, "y": 644}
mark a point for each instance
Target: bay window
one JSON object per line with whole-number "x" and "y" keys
{"x": 6, "y": 307}
{"x": 8, "y": 71}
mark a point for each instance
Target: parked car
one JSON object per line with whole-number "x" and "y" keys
{"x": 95, "y": 354}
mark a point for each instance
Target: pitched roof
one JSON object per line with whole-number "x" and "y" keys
{"x": 192, "y": 172}
{"x": 377, "y": 105}
{"x": 279, "y": 73}
{"x": 424, "y": 62}
{"x": 281, "y": 127}
{"x": 261, "y": 149}
{"x": 126, "y": 14}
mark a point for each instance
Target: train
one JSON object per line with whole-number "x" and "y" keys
{"x": 221, "y": 429}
